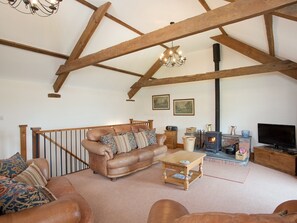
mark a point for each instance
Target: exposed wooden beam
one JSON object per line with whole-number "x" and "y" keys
{"x": 111, "y": 17}
{"x": 257, "y": 69}
{"x": 82, "y": 42}
{"x": 289, "y": 12}
{"x": 207, "y": 8}
{"x": 269, "y": 32}
{"x": 237, "y": 11}
{"x": 60, "y": 55}
{"x": 153, "y": 69}
{"x": 251, "y": 52}
{"x": 32, "y": 49}
{"x": 119, "y": 70}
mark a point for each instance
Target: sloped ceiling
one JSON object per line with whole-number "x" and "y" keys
{"x": 60, "y": 32}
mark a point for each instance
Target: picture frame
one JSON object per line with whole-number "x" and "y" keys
{"x": 161, "y": 102}
{"x": 184, "y": 107}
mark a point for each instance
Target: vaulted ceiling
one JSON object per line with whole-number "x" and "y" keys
{"x": 93, "y": 42}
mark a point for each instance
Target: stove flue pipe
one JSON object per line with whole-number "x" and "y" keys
{"x": 216, "y": 60}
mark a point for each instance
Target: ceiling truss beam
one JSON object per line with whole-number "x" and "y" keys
{"x": 60, "y": 55}
{"x": 231, "y": 13}
{"x": 93, "y": 23}
{"x": 207, "y": 8}
{"x": 257, "y": 69}
{"x": 154, "y": 68}
{"x": 269, "y": 32}
{"x": 251, "y": 52}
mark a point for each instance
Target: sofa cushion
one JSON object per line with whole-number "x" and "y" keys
{"x": 109, "y": 140}
{"x": 150, "y": 135}
{"x": 122, "y": 160}
{"x": 132, "y": 140}
{"x": 143, "y": 154}
{"x": 94, "y": 134}
{"x": 12, "y": 166}
{"x": 16, "y": 196}
{"x": 157, "y": 150}
{"x": 60, "y": 186}
{"x": 123, "y": 144}
{"x": 31, "y": 176}
{"x": 213, "y": 217}
{"x": 141, "y": 139}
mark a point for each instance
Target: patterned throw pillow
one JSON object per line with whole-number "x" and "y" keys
{"x": 132, "y": 140}
{"x": 16, "y": 196}
{"x": 151, "y": 136}
{"x": 141, "y": 139}
{"x": 31, "y": 176}
{"x": 109, "y": 140}
{"x": 123, "y": 144}
{"x": 12, "y": 166}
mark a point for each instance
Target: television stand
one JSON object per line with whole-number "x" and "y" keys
{"x": 276, "y": 159}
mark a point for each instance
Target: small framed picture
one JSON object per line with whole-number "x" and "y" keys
{"x": 161, "y": 102}
{"x": 184, "y": 107}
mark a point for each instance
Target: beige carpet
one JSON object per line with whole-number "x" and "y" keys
{"x": 128, "y": 200}
{"x": 226, "y": 171}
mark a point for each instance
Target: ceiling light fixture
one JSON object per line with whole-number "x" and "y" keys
{"x": 174, "y": 58}
{"x": 42, "y": 8}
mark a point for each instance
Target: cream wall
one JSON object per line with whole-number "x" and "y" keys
{"x": 27, "y": 103}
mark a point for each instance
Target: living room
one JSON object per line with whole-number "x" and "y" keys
{"x": 95, "y": 96}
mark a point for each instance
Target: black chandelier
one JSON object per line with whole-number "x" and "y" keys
{"x": 42, "y": 8}
{"x": 174, "y": 58}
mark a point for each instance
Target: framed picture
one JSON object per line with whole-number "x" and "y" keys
{"x": 184, "y": 107}
{"x": 161, "y": 102}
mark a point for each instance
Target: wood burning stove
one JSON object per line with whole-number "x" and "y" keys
{"x": 212, "y": 141}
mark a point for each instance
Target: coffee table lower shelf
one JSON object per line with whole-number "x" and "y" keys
{"x": 169, "y": 178}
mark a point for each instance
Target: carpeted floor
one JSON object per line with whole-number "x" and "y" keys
{"x": 128, "y": 200}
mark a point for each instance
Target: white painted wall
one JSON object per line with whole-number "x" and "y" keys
{"x": 27, "y": 103}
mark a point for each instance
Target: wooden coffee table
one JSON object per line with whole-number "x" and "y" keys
{"x": 179, "y": 173}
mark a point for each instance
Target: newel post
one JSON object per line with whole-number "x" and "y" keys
{"x": 23, "y": 141}
{"x": 150, "y": 123}
{"x": 131, "y": 120}
{"x": 35, "y": 142}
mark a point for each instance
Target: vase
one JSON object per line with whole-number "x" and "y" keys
{"x": 233, "y": 128}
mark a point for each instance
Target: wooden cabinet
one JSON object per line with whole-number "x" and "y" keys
{"x": 275, "y": 159}
{"x": 171, "y": 139}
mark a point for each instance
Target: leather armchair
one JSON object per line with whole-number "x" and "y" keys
{"x": 169, "y": 211}
{"x": 70, "y": 206}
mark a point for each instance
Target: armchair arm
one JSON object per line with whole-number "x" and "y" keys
{"x": 290, "y": 206}
{"x": 161, "y": 139}
{"x": 97, "y": 148}
{"x": 43, "y": 166}
{"x": 59, "y": 211}
{"x": 166, "y": 211}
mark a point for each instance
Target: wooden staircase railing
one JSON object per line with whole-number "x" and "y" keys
{"x": 62, "y": 147}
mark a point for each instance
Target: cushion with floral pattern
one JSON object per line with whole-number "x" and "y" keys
{"x": 16, "y": 196}
{"x": 12, "y": 166}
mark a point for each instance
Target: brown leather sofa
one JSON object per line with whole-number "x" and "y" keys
{"x": 169, "y": 211}
{"x": 104, "y": 162}
{"x": 70, "y": 207}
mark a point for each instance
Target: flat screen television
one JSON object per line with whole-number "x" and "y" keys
{"x": 279, "y": 136}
